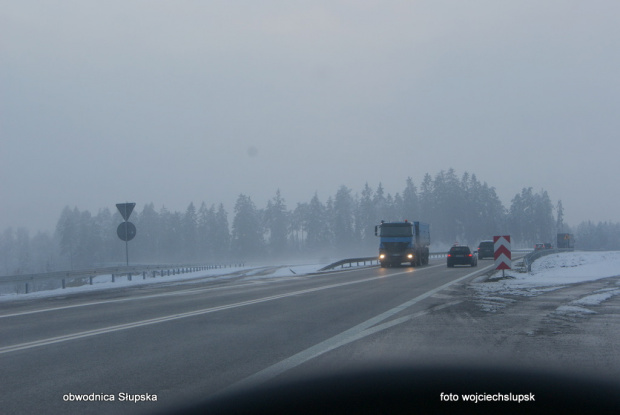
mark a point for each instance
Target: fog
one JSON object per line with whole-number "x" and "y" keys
{"x": 191, "y": 101}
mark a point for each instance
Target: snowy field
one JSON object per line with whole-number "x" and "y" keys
{"x": 550, "y": 273}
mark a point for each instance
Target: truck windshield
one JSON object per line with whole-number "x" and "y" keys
{"x": 396, "y": 230}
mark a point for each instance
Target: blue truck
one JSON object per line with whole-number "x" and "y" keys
{"x": 403, "y": 242}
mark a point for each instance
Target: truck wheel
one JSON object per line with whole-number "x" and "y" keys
{"x": 383, "y": 265}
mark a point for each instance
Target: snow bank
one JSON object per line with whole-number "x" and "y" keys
{"x": 104, "y": 282}
{"x": 550, "y": 273}
{"x": 556, "y": 270}
{"x": 573, "y": 267}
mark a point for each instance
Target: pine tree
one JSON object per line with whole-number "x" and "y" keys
{"x": 521, "y": 208}
{"x": 7, "y": 252}
{"x": 42, "y": 252}
{"x": 205, "y": 218}
{"x": 221, "y": 233}
{"x": 172, "y": 238}
{"x": 298, "y": 228}
{"x": 366, "y": 217}
{"x": 276, "y": 223}
{"x": 147, "y": 242}
{"x": 380, "y": 204}
{"x": 88, "y": 244}
{"x": 559, "y": 225}
{"x": 190, "y": 233}
{"x": 22, "y": 249}
{"x": 247, "y": 233}
{"x": 410, "y": 208}
{"x": 427, "y": 202}
{"x": 317, "y": 226}
{"x": 543, "y": 217}
{"x": 105, "y": 234}
{"x": 67, "y": 231}
{"x": 344, "y": 232}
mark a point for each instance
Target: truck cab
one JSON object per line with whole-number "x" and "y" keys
{"x": 403, "y": 242}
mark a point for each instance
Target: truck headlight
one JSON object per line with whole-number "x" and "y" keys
{"x": 381, "y": 256}
{"x": 410, "y": 256}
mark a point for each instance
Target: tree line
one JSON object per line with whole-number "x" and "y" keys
{"x": 460, "y": 210}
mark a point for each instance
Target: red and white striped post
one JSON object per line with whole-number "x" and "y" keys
{"x": 503, "y": 256}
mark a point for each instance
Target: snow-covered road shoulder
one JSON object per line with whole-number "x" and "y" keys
{"x": 550, "y": 273}
{"x": 107, "y": 282}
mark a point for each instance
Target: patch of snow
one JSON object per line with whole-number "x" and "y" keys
{"x": 598, "y": 298}
{"x": 104, "y": 282}
{"x": 288, "y": 271}
{"x": 571, "y": 267}
{"x": 493, "y": 304}
{"x": 572, "y": 310}
{"x": 556, "y": 270}
{"x": 553, "y": 272}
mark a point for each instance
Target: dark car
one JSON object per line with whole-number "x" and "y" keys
{"x": 538, "y": 247}
{"x": 486, "y": 249}
{"x": 461, "y": 255}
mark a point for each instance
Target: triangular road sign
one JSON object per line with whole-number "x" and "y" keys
{"x": 125, "y": 209}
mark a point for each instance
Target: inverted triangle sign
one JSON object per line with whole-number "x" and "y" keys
{"x": 125, "y": 209}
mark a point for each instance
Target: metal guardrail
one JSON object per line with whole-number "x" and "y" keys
{"x": 529, "y": 259}
{"x": 351, "y": 261}
{"x": 357, "y": 261}
{"x": 370, "y": 260}
{"x": 27, "y": 281}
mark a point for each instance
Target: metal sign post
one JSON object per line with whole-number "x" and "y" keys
{"x": 126, "y": 231}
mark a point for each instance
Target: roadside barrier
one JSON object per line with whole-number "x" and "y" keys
{"x": 24, "y": 284}
{"x": 372, "y": 260}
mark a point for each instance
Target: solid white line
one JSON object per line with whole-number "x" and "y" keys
{"x": 120, "y": 300}
{"x": 145, "y": 297}
{"x": 142, "y": 323}
{"x": 346, "y": 337}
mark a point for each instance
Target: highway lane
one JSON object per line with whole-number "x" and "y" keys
{"x": 185, "y": 341}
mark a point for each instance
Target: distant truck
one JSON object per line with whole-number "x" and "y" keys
{"x": 403, "y": 242}
{"x": 565, "y": 241}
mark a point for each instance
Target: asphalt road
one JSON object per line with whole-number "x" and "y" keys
{"x": 184, "y": 342}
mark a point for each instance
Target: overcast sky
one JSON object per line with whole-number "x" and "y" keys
{"x": 171, "y": 102}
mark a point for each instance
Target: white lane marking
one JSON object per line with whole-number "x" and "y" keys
{"x": 355, "y": 333}
{"x": 119, "y": 300}
{"x": 442, "y": 296}
{"x": 146, "y": 297}
{"x": 398, "y": 321}
{"x": 111, "y": 329}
